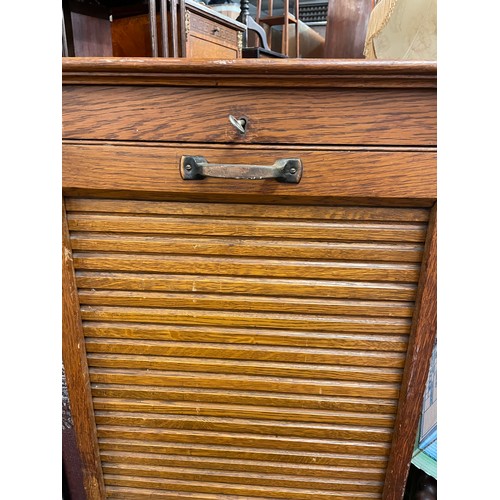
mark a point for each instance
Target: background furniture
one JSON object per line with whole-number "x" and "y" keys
{"x": 167, "y": 28}
{"x": 241, "y": 337}
{"x": 284, "y": 20}
{"x": 346, "y": 28}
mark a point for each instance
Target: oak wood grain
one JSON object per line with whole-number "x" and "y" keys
{"x": 246, "y": 382}
{"x": 287, "y": 493}
{"x": 277, "y": 481}
{"x": 280, "y": 287}
{"x": 248, "y": 210}
{"x": 215, "y": 454}
{"x": 257, "y": 353}
{"x": 408, "y": 232}
{"x": 246, "y": 440}
{"x": 241, "y": 319}
{"x": 146, "y": 493}
{"x": 333, "y": 173}
{"x": 229, "y": 266}
{"x": 248, "y": 339}
{"x": 422, "y": 339}
{"x": 254, "y": 466}
{"x": 275, "y": 369}
{"x": 240, "y": 411}
{"x": 244, "y": 303}
{"x": 254, "y": 336}
{"x": 235, "y": 396}
{"x": 164, "y": 355}
{"x": 318, "y": 116}
{"x": 77, "y": 377}
{"x": 251, "y": 73}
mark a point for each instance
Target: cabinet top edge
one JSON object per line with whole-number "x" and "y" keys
{"x": 242, "y": 72}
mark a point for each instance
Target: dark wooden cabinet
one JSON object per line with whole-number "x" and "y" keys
{"x": 238, "y": 338}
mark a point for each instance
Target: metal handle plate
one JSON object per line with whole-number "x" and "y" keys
{"x": 283, "y": 170}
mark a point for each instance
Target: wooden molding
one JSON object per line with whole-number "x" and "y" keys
{"x": 246, "y": 72}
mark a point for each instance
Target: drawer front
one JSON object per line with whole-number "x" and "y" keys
{"x": 248, "y": 350}
{"x": 211, "y": 30}
{"x": 404, "y": 177}
{"x": 274, "y": 116}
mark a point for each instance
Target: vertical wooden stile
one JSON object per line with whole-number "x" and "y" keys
{"x": 77, "y": 376}
{"x": 422, "y": 338}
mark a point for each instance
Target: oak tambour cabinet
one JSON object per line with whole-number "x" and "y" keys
{"x": 248, "y": 274}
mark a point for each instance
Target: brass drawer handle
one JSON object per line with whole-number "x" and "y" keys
{"x": 283, "y": 170}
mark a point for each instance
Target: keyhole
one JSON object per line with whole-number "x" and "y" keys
{"x": 238, "y": 123}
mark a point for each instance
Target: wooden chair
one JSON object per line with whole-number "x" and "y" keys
{"x": 281, "y": 20}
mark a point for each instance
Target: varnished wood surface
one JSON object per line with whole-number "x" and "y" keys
{"x": 251, "y": 339}
{"x": 91, "y": 36}
{"x": 77, "y": 377}
{"x": 201, "y": 454}
{"x": 104, "y": 387}
{"x": 356, "y": 174}
{"x": 247, "y": 210}
{"x": 315, "y": 116}
{"x": 277, "y": 481}
{"x": 250, "y": 72}
{"x": 247, "y": 440}
{"x": 225, "y": 489}
{"x": 209, "y": 38}
{"x": 146, "y": 493}
{"x": 239, "y": 465}
{"x": 346, "y": 25}
{"x": 239, "y": 332}
{"x": 416, "y": 369}
{"x": 245, "y": 285}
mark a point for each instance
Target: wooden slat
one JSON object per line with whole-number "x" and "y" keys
{"x": 240, "y": 319}
{"x": 99, "y": 242}
{"x": 239, "y": 411}
{"x": 253, "y": 490}
{"x": 246, "y": 210}
{"x": 257, "y": 426}
{"x": 259, "y": 228}
{"x": 258, "y": 353}
{"x": 126, "y": 493}
{"x": 253, "y": 466}
{"x": 223, "y": 396}
{"x": 246, "y": 440}
{"x": 310, "y": 461}
{"x": 274, "y": 369}
{"x": 276, "y": 481}
{"x": 242, "y": 303}
{"x": 246, "y": 266}
{"x": 281, "y": 287}
{"x": 254, "y": 336}
{"x": 241, "y": 382}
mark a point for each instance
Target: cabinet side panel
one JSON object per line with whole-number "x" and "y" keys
{"x": 77, "y": 377}
{"x": 416, "y": 369}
